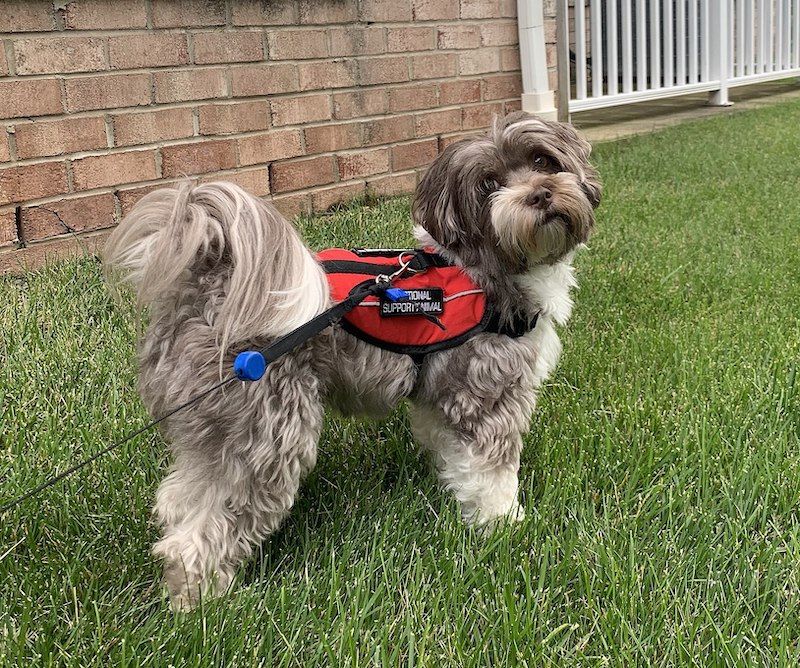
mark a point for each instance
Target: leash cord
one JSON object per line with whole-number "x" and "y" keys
{"x": 57, "y": 478}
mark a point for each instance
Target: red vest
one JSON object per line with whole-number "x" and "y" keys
{"x": 444, "y": 306}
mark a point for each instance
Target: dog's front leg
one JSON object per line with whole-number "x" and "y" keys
{"x": 484, "y": 480}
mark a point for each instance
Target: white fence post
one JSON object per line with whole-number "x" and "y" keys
{"x": 718, "y": 51}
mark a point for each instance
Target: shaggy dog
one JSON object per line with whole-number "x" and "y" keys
{"x": 222, "y": 271}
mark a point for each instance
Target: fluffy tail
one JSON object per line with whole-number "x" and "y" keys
{"x": 270, "y": 281}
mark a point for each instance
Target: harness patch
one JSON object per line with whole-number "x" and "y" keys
{"x": 429, "y": 301}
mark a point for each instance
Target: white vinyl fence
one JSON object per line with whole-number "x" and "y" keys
{"x": 621, "y": 51}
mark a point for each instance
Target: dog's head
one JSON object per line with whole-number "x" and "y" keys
{"x": 523, "y": 195}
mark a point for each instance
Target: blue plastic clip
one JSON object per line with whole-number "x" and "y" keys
{"x": 396, "y": 294}
{"x": 249, "y": 365}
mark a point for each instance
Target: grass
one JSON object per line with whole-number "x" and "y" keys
{"x": 661, "y": 476}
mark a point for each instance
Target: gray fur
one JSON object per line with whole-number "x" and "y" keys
{"x": 221, "y": 271}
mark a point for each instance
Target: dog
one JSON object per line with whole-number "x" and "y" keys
{"x": 220, "y": 270}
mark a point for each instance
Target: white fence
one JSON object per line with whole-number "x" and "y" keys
{"x": 621, "y": 51}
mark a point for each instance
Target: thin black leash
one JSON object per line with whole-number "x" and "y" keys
{"x": 57, "y": 478}
{"x": 249, "y": 365}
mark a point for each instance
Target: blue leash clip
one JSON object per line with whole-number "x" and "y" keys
{"x": 249, "y": 365}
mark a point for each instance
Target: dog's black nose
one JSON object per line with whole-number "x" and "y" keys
{"x": 540, "y": 198}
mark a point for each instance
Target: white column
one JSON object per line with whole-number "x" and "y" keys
{"x": 537, "y": 98}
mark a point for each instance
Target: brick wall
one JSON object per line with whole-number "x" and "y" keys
{"x": 306, "y": 102}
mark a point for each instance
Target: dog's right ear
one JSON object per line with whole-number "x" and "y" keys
{"x": 436, "y": 207}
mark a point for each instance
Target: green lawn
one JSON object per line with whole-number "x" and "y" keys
{"x": 661, "y": 476}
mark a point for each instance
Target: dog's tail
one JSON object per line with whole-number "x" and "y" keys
{"x": 270, "y": 282}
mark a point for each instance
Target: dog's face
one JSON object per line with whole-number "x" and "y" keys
{"x": 523, "y": 195}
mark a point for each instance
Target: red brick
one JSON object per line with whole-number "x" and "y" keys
{"x": 394, "y": 184}
{"x": 481, "y": 9}
{"x": 408, "y": 98}
{"x": 509, "y": 59}
{"x": 410, "y": 39}
{"x": 255, "y": 181}
{"x": 437, "y": 122}
{"x": 325, "y": 138}
{"x": 276, "y": 145}
{"x": 35, "y": 255}
{"x": 264, "y": 13}
{"x": 502, "y": 87}
{"x": 26, "y": 182}
{"x": 236, "y": 46}
{"x": 48, "y": 55}
{"x": 152, "y": 126}
{"x": 37, "y": 97}
{"x": 325, "y": 199}
{"x": 188, "y": 13}
{"x": 499, "y": 34}
{"x": 79, "y": 214}
{"x": 299, "y": 174}
{"x": 381, "y": 70}
{"x": 291, "y": 206}
{"x": 435, "y": 65}
{"x": 415, "y": 154}
{"x": 331, "y": 74}
{"x": 480, "y": 116}
{"x": 128, "y": 197}
{"x": 459, "y": 92}
{"x": 190, "y": 84}
{"x": 479, "y": 61}
{"x": 550, "y": 31}
{"x": 385, "y": 11}
{"x": 147, "y": 50}
{"x": 304, "y": 109}
{"x": 369, "y": 102}
{"x": 8, "y": 227}
{"x": 107, "y": 14}
{"x": 444, "y": 142}
{"x": 512, "y": 105}
{"x": 3, "y": 64}
{"x": 198, "y": 157}
{"x": 297, "y": 44}
{"x": 509, "y": 9}
{"x": 5, "y": 154}
{"x": 113, "y": 169}
{"x": 388, "y": 130}
{"x": 459, "y": 37}
{"x": 431, "y": 10}
{"x": 27, "y": 15}
{"x": 107, "y": 92}
{"x": 249, "y": 80}
{"x": 329, "y": 11}
{"x": 229, "y": 118}
{"x": 66, "y": 135}
{"x": 359, "y": 41}
{"x": 363, "y": 163}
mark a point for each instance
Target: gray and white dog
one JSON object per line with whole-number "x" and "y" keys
{"x": 221, "y": 271}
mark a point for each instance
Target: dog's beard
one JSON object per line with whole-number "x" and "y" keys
{"x": 542, "y": 235}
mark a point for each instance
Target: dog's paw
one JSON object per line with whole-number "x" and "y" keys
{"x": 486, "y": 521}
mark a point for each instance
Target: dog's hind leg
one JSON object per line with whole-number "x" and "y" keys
{"x": 223, "y": 498}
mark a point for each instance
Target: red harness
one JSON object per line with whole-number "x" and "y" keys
{"x": 443, "y": 307}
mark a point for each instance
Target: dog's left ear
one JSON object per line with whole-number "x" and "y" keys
{"x": 591, "y": 185}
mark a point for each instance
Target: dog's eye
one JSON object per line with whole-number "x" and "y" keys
{"x": 488, "y": 186}
{"x": 542, "y": 162}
